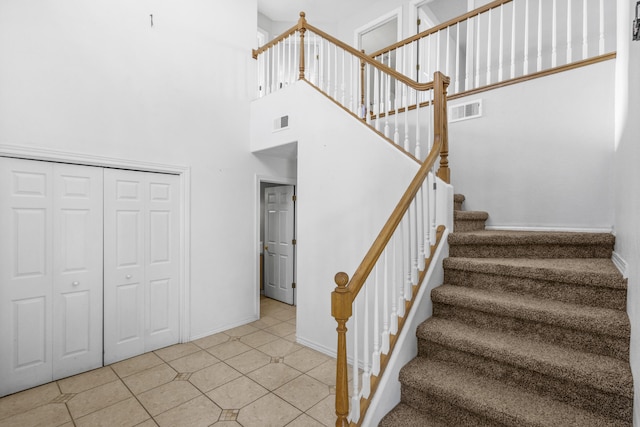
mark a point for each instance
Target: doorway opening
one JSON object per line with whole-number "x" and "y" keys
{"x": 277, "y": 241}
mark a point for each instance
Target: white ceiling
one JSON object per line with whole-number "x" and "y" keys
{"x": 316, "y": 10}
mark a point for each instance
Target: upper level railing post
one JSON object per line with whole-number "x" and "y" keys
{"x": 302, "y": 27}
{"x": 440, "y": 83}
{"x": 341, "y": 311}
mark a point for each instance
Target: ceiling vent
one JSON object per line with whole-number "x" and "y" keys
{"x": 468, "y": 110}
{"x": 281, "y": 123}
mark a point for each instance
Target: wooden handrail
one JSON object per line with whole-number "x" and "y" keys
{"x": 439, "y": 27}
{"x": 303, "y": 26}
{"x": 343, "y": 296}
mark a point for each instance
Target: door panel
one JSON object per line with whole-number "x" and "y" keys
{"x": 25, "y": 274}
{"x": 162, "y": 267}
{"x": 279, "y": 248}
{"x": 141, "y": 263}
{"x": 123, "y": 265}
{"x": 77, "y": 279}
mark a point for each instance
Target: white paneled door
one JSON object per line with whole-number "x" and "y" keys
{"x": 50, "y": 272}
{"x": 141, "y": 289}
{"x": 279, "y": 243}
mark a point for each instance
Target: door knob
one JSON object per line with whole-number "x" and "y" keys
{"x": 266, "y": 248}
{"x": 76, "y": 283}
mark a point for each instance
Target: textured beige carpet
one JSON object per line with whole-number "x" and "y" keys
{"x": 528, "y": 329}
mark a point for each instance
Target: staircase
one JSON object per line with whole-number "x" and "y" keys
{"x": 528, "y": 329}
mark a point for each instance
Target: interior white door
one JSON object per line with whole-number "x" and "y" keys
{"x": 141, "y": 291}
{"x": 279, "y": 243}
{"x": 26, "y": 266}
{"x": 77, "y": 269}
{"x": 50, "y": 271}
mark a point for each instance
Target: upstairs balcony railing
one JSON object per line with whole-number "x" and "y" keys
{"x": 508, "y": 40}
{"x": 365, "y": 88}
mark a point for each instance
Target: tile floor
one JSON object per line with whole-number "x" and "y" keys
{"x": 252, "y": 375}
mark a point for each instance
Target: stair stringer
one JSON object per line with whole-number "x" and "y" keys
{"x": 387, "y": 395}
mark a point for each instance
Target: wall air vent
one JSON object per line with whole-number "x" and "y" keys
{"x": 281, "y": 123}
{"x": 468, "y": 110}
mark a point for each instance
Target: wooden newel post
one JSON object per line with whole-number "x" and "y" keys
{"x": 341, "y": 311}
{"x": 302, "y": 28}
{"x": 441, "y": 83}
{"x": 362, "y": 106}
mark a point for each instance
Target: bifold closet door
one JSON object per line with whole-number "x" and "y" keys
{"x": 141, "y": 290}
{"x": 50, "y": 271}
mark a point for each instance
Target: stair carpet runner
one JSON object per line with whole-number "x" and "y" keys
{"x": 528, "y": 329}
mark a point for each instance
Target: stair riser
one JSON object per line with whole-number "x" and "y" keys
{"x": 442, "y": 408}
{"x": 559, "y": 291}
{"x": 460, "y": 225}
{"x": 578, "y": 340}
{"x": 457, "y": 206}
{"x": 582, "y": 396}
{"x": 530, "y": 251}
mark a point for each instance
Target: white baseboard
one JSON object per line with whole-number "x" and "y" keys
{"x": 567, "y": 229}
{"x": 620, "y": 263}
{"x": 225, "y": 328}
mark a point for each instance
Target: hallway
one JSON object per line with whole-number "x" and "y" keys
{"x": 252, "y": 375}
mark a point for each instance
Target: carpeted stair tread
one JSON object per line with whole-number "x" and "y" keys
{"x": 599, "y": 272}
{"x": 406, "y": 416}
{"x": 458, "y": 199}
{"x": 470, "y": 215}
{"x": 508, "y": 237}
{"x": 597, "y": 320}
{"x": 491, "y": 399}
{"x": 599, "y": 372}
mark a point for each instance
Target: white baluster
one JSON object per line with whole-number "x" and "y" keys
{"x": 430, "y": 110}
{"x": 427, "y": 216}
{"x": 290, "y": 65}
{"x": 469, "y": 55}
{"x": 367, "y": 89}
{"x": 446, "y": 66}
{"x": 585, "y": 30}
{"x": 525, "y": 66}
{"x": 478, "y": 52}
{"x": 354, "y": 412}
{"x": 406, "y": 118}
{"x": 408, "y": 265}
{"x": 385, "y": 302}
{"x": 457, "y": 78}
{"x": 569, "y": 32}
{"x": 501, "y": 45}
{"x": 601, "y": 39}
{"x": 327, "y": 89}
{"x": 393, "y": 327}
{"x": 401, "y": 265}
{"x": 414, "y": 242}
{"x": 418, "y": 151}
{"x": 375, "y": 359}
{"x": 432, "y": 204}
{"x": 489, "y": 40}
{"x": 366, "y": 366}
{"x": 376, "y": 97}
{"x": 420, "y": 229}
{"x": 539, "y": 61}
{"x": 342, "y": 80}
{"x": 352, "y": 84}
{"x": 438, "y": 50}
{"x": 554, "y": 35}
{"x": 387, "y": 97}
{"x": 513, "y": 39}
{"x": 397, "y": 101}
{"x": 335, "y": 64}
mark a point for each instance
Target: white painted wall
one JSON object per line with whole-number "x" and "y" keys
{"x": 96, "y": 78}
{"x": 542, "y": 154}
{"x": 349, "y": 181}
{"x": 627, "y": 177}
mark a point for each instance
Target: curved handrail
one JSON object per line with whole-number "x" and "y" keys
{"x": 439, "y": 27}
